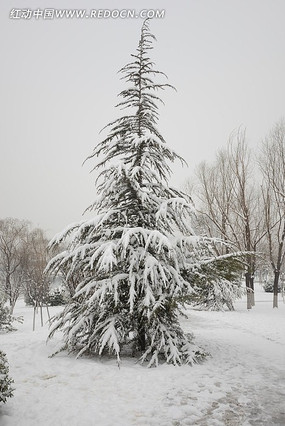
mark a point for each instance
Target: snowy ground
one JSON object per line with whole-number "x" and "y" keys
{"x": 242, "y": 383}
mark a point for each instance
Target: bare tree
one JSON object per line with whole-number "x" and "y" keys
{"x": 272, "y": 164}
{"x": 216, "y": 196}
{"x": 229, "y": 203}
{"x": 37, "y": 281}
{"x": 248, "y": 220}
{"x": 12, "y": 258}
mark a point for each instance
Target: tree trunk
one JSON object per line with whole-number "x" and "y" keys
{"x": 12, "y": 306}
{"x": 141, "y": 335}
{"x": 248, "y": 291}
{"x": 275, "y": 288}
{"x": 252, "y": 296}
{"x": 48, "y": 312}
{"x": 41, "y": 311}
{"x": 8, "y": 291}
{"x": 34, "y": 318}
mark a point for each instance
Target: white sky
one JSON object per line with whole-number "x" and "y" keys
{"x": 59, "y": 85}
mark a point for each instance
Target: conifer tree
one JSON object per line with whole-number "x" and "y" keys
{"x": 127, "y": 259}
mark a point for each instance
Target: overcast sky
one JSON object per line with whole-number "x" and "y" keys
{"x": 59, "y": 85}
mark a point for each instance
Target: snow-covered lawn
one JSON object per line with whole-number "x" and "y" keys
{"x": 242, "y": 383}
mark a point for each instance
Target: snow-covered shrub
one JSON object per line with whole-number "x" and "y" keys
{"x": 268, "y": 287}
{"x": 6, "y": 390}
{"x": 125, "y": 260}
{"x": 6, "y": 319}
{"x": 57, "y": 297}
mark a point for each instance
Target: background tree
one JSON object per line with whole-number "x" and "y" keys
{"x": 272, "y": 164}
{"x": 13, "y": 258}
{"x": 216, "y": 196}
{"x": 37, "y": 281}
{"x": 23, "y": 258}
{"x": 247, "y": 218}
{"x": 126, "y": 257}
{"x": 229, "y": 203}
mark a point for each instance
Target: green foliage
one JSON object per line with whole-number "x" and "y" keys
{"x": 6, "y": 391}
{"x": 216, "y": 284}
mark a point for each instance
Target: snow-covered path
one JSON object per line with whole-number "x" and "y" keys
{"x": 246, "y": 373}
{"x": 242, "y": 383}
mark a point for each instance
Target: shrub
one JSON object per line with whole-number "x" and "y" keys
{"x": 57, "y": 297}
{"x": 268, "y": 287}
{"x": 6, "y": 391}
{"x": 6, "y": 318}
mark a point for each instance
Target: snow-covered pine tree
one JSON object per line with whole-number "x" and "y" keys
{"x": 126, "y": 259}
